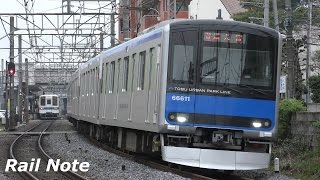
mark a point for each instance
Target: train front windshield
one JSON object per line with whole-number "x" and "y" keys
{"x": 222, "y": 58}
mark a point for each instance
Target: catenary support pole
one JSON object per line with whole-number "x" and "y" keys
{"x": 20, "y": 80}
{"x": 11, "y": 79}
{"x": 26, "y": 93}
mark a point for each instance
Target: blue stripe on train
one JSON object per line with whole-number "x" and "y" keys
{"x": 218, "y": 105}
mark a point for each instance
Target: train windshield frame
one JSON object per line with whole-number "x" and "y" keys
{"x": 222, "y": 58}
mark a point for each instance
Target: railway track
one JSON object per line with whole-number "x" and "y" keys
{"x": 26, "y": 147}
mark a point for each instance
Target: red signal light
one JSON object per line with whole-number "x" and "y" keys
{"x": 11, "y": 68}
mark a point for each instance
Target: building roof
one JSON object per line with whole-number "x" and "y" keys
{"x": 233, "y": 6}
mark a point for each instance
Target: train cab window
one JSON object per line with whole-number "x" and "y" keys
{"x": 55, "y": 101}
{"x": 141, "y": 69}
{"x": 235, "y": 58}
{"x": 183, "y": 56}
{"x": 111, "y": 77}
{"x": 48, "y": 101}
{"x": 43, "y": 101}
{"x": 125, "y": 74}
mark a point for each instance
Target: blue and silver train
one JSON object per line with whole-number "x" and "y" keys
{"x": 201, "y": 93}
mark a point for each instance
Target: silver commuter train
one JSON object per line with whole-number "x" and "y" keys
{"x": 201, "y": 93}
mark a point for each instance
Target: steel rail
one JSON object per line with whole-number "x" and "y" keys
{"x": 69, "y": 174}
{"x": 26, "y": 174}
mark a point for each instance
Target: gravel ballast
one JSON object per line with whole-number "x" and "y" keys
{"x": 103, "y": 165}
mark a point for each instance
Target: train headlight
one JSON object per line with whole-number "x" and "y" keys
{"x": 41, "y": 108}
{"x": 181, "y": 118}
{"x": 256, "y": 124}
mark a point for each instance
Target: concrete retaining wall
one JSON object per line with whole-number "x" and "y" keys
{"x": 304, "y": 126}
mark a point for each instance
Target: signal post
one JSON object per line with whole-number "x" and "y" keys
{"x": 11, "y": 71}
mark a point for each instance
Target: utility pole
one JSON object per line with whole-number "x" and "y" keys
{"x": 125, "y": 18}
{"x": 308, "y": 49}
{"x": 101, "y": 42}
{"x": 113, "y": 34}
{"x": 26, "y": 93}
{"x": 6, "y": 98}
{"x": 20, "y": 80}
{"x": 290, "y": 59}
{"x": 174, "y": 9}
{"x": 168, "y": 9}
{"x": 11, "y": 83}
{"x": 275, "y": 14}
{"x": 266, "y": 13}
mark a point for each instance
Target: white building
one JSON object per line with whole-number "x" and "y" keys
{"x": 208, "y": 9}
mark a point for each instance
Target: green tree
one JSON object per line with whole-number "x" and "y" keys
{"x": 314, "y": 83}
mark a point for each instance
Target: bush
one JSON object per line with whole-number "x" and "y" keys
{"x": 286, "y": 108}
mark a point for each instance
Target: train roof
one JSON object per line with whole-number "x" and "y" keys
{"x": 155, "y": 32}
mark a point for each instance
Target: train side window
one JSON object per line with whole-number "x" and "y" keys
{"x": 106, "y": 78}
{"x": 91, "y": 81}
{"x": 125, "y": 74}
{"x": 133, "y": 69}
{"x": 87, "y": 83}
{"x": 43, "y": 101}
{"x": 97, "y": 80}
{"x": 152, "y": 58}
{"x": 102, "y": 80}
{"x": 111, "y": 80}
{"x": 141, "y": 69}
{"x": 118, "y": 76}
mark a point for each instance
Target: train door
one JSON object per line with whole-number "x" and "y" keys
{"x": 153, "y": 80}
{"x": 101, "y": 91}
{"x": 124, "y": 91}
{"x": 140, "y": 93}
{"x": 96, "y": 93}
{"x": 111, "y": 90}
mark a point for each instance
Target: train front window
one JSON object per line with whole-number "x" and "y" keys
{"x": 42, "y": 101}
{"x": 48, "y": 101}
{"x": 55, "y": 101}
{"x": 183, "y": 55}
{"x": 237, "y": 59}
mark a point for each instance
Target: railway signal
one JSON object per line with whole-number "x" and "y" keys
{"x": 11, "y": 68}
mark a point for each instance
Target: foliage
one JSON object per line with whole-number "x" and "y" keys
{"x": 314, "y": 82}
{"x": 305, "y": 165}
{"x": 286, "y": 109}
{"x": 287, "y": 150}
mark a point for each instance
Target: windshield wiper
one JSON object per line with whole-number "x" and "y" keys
{"x": 208, "y": 67}
{"x": 251, "y": 88}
